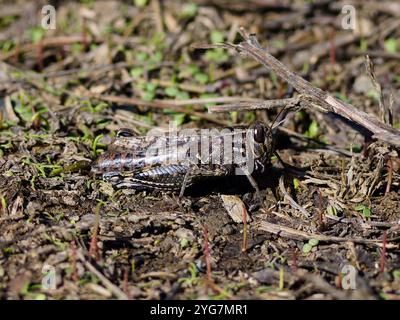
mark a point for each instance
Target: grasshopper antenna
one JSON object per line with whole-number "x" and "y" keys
{"x": 272, "y": 127}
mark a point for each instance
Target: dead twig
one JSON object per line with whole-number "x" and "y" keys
{"x": 293, "y": 203}
{"x": 206, "y": 249}
{"x": 383, "y": 252}
{"x": 313, "y": 96}
{"x": 94, "y": 248}
{"x": 291, "y": 233}
{"x": 262, "y": 105}
{"x": 107, "y": 283}
{"x": 157, "y": 104}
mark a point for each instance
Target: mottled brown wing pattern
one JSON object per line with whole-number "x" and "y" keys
{"x": 166, "y": 161}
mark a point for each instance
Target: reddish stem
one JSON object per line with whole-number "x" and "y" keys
{"x": 125, "y": 283}
{"x": 294, "y": 260}
{"x": 383, "y": 252}
{"x": 73, "y": 262}
{"x": 40, "y": 55}
{"x": 207, "y": 258}
{"x": 390, "y": 175}
{"x": 94, "y": 247}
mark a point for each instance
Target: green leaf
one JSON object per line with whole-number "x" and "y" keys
{"x": 188, "y": 71}
{"x": 307, "y": 248}
{"x": 179, "y": 118}
{"x": 313, "y": 242}
{"x": 217, "y": 55}
{"x": 148, "y": 96}
{"x": 189, "y": 10}
{"x": 96, "y": 142}
{"x": 40, "y": 296}
{"x": 157, "y": 56}
{"x": 363, "y": 45}
{"x": 296, "y": 183}
{"x": 136, "y": 72}
{"x": 201, "y": 77}
{"x": 3, "y": 202}
{"x": 24, "y": 111}
{"x": 374, "y": 94}
{"x": 171, "y": 91}
{"x": 216, "y": 36}
{"x": 391, "y": 45}
{"x": 182, "y": 95}
{"x": 140, "y": 3}
{"x": 184, "y": 243}
{"x": 36, "y": 34}
{"x": 151, "y": 87}
{"x": 279, "y": 44}
{"x": 366, "y": 212}
{"x": 142, "y": 56}
{"x": 312, "y": 131}
{"x": 331, "y": 210}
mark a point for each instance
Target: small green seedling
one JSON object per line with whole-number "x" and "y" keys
{"x": 366, "y": 212}
{"x": 309, "y": 245}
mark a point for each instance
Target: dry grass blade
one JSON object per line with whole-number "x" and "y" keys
{"x": 291, "y": 233}
{"x": 161, "y": 105}
{"x": 262, "y": 105}
{"x": 107, "y": 283}
{"x": 293, "y": 203}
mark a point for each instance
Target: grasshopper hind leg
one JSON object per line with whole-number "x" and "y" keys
{"x": 119, "y": 181}
{"x": 168, "y": 178}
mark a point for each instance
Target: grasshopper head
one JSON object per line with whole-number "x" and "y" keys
{"x": 263, "y": 142}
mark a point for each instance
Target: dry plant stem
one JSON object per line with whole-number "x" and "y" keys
{"x": 390, "y": 175}
{"x": 48, "y": 42}
{"x": 293, "y": 203}
{"x": 157, "y": 16}
{"x": 262, "y": 105}
{"x": 383, "y": 252}
{"x": 316, "y": 98}
{"x": 73, "y": 261}
{"x": 323, "y": 286}
{"x": 125, "y": 283}
{"x": 294, "y": 260}
{"x": 107, "y": 283}
{"x": 207, "y": 258}
{"x": 371, "y": 73}
{"x": 161, "y": 105}
{"x": 94, "y": 249}
{"x": 291, "y": 233}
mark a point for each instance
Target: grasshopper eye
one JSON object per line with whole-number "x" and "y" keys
{"x": 259, "y": 133}
{"x": 123, "y": 132}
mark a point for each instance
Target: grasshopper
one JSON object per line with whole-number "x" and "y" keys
{"x": 175, "y": 161}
